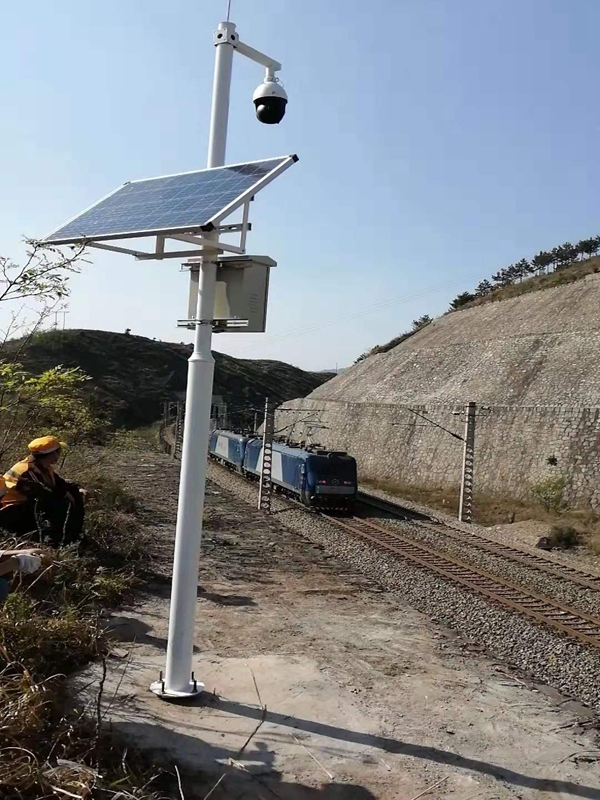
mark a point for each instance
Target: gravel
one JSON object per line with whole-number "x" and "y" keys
{"x": 543, "y": 654}
{"x": 499, "y": 535}
{"x": 563, "y": 591}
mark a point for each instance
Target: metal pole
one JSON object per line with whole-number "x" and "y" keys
{"x": 219, "y": 112}
{"x": 465, "y": 507}
{"x": 179, "y": 680}
{"x": 265, "y": 487}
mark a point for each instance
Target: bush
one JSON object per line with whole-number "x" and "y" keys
{"x": 549, "y": 493}
{"x": 563, "y": 537}
{"x": 51, "y": 625}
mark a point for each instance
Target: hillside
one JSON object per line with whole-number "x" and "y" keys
{"x": 540, "y": 348}
{"x": 532, "y": 362}
{"x": 131, "y": 375}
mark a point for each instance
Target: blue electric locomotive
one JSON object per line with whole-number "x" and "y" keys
{"x": 228, "y": 448}
{"x": 318, "y": 478}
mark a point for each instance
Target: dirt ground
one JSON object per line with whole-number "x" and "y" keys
{"x": 365, "y": 697}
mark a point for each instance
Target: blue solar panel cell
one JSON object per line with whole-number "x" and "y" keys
{"x": 188, "y": 202}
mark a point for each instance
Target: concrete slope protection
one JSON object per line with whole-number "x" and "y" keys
{"x": 532, "y": 362}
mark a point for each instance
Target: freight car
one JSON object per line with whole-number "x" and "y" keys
{"x": 318, "y": 478}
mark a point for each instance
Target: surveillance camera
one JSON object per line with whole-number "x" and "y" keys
{"x": 270, "y": 100}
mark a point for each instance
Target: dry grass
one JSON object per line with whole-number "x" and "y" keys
{"x": 574, "y": 272}
{"x": 593, "y": 544}
{"x": 490, "y": 510}
{"x": 50, "y": 625}
{"x": 443, "y": 499}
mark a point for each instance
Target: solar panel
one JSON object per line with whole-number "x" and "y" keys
{"x": 184, "y": 203}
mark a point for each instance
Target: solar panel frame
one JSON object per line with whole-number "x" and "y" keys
{"x": 281, "y": 163}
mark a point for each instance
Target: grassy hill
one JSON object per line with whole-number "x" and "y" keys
{"x": 131, "y": 375}
{"x": 560, "y": 277}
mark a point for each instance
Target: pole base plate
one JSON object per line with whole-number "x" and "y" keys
{"x": 160, "y": 690}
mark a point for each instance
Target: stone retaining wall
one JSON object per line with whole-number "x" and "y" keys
{"x": 533, "y": 360}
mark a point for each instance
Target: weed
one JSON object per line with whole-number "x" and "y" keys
{"x": 50, "y": 626}
{"x": 124, "y": 439}
{"x": 593, "y": 544}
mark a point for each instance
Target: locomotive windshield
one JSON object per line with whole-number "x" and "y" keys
{"x": 341, "y": 467}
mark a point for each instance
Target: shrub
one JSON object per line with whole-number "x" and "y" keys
{"x": 549, "y": 493}
{"x": 563, "y": 537}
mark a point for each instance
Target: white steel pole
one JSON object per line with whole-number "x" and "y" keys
{"x": 188, "y": 536}
{"x": 225, "y": 35}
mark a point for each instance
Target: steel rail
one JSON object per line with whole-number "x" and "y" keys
{"x": 544, "y": 610}
{"x": 563, "y": 572}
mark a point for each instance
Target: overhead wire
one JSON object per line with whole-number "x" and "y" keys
{"x": 381, "y": 306}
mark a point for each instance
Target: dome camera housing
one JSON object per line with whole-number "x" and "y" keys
{"x": 270, "y": 101}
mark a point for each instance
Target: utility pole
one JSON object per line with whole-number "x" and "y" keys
{"x": 269, "y": 100}
{"x": 265, "y": 487}
{"x": 179, "y": 680}
{"x": 465, "y": 507}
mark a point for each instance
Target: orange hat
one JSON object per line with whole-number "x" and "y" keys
{"x": 45, "y": 445}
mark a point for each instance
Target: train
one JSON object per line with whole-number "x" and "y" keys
{"x": 317, "y": 478}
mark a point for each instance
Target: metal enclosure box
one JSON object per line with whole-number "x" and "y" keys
{"x": 241, "y": 293}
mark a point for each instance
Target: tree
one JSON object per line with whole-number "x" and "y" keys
{"x": 461, "y": 300}
{"x": 563, "y": 255}
{"x": 570, "y": 252}
{"x": 542, "y": 261}
{"x": 420, "y": 322}
{"x": 523, "y": 269}
{"x": 588, "y": 247}
{"x": 502, "y": 277}
{"x": 483, "y": 288}
{"x": 513, "y": 273}
{"x": 55, "y": 399}
{"x": 43, "y": 275}
{"x": 42, "y": 279}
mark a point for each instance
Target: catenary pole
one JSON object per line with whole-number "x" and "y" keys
{"x": 465, "y": 506}
{"x": 265, "y": 486}
{"x": 188, "y": 535}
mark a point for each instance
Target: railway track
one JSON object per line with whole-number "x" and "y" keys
{"x": 543, "y": 610}
{"x": 564, "y": 572}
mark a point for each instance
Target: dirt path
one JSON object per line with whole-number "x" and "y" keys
{"x": 366, "y": 698}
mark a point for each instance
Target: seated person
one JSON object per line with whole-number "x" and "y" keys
{"x": 37, "y": 502}
{"x": 26, "y": 561}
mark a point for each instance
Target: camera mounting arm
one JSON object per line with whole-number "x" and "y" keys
{"x": 226, "y": 34}
{"x": 270, "y": 64}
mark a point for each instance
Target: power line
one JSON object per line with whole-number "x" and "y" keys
{"x": 377, "y": 307}
{"x": 435, "y": 424}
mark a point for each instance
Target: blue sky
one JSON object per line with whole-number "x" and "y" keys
{"x": 438, "y": 139}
